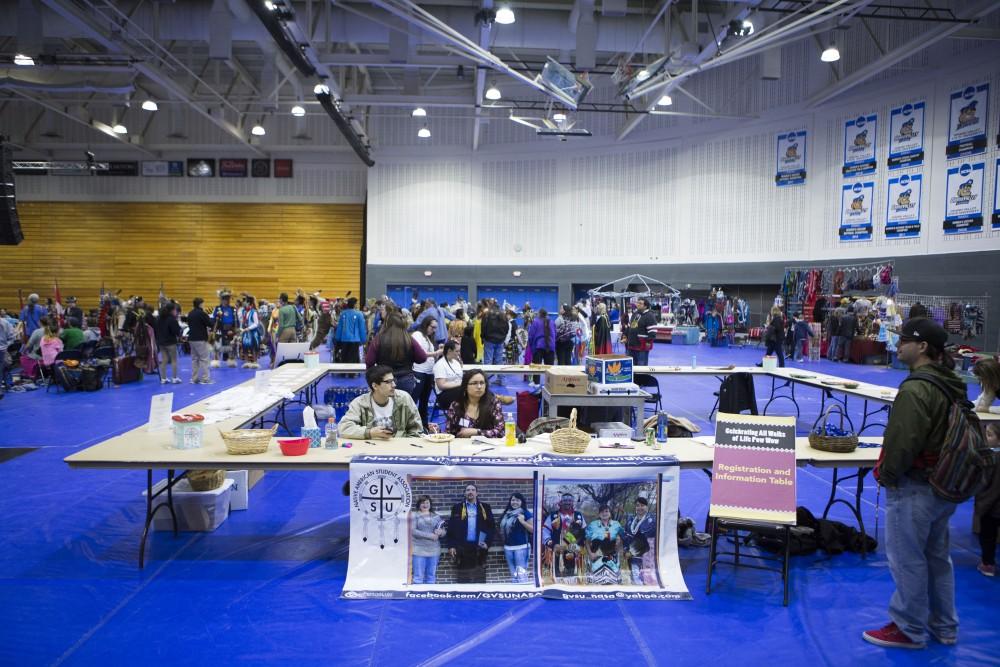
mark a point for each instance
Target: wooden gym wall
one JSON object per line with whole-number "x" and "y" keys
{"x": 194, "y": 249}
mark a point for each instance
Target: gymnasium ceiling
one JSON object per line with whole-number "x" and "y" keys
{"x": 215, "y": 71}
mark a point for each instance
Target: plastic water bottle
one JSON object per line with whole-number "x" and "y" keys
{"x": 662, "y": 424}
{"x": 509, "y": 430}
{"x": 330, "y": 441}
{"x": 694, "y": 361}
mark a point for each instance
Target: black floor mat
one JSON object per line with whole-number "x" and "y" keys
{"x": 8, "y": 453}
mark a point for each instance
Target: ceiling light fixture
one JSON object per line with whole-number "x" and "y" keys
{"x": 830, "y": 54}
{"x": 119, "y": 129}
{"x": 321, "y": 89}
{"x": 258, "y": 131}
{"x": 493, "y": 93}
{"x": 150, "y": 105}
{"x": 642, "y": 75}
{"x": 428, "y": 273}
{"x": 747, "y": 27}
{"x": 419, "y": 112}
{"x": 505, "y": 15}
{"x": 269, "y": 5}
{"x": 424, "y": 133}
{"x": 665, "y": 101}
{"x": 298, "y": 111}
{"x": 516, "y": 274}
{"x": 559, "y": 117}
{"x": 23, "y": 60}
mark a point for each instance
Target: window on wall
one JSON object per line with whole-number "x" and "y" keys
{"x": 403, "y": 295}
{"x": 539, "y": 296}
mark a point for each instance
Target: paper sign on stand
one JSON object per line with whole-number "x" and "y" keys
{"x": 160, "y": 408}
{"x": 261, "y": 381}
{"x": 754, "y": 468}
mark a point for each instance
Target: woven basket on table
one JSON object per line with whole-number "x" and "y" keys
{"x": 206, "y": 480}
{"x": 248, "y": 441}
{"x": 830, "y": 443}
{"x": 570, "y": 440}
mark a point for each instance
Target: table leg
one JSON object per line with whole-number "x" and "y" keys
{"x": 151, "y": 509}
{"x": 775, "y": 388}
{"x": 871, "y": 413}
{"x": 855, "y": 508}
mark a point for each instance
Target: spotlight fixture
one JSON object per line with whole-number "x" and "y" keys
{"x": 505, "y": 15}
{"x": 516, "y": 274}
{"x": 119, "y": 129}
{"x": 23, "y": 60}
{"x": 665, "y": 101}
{"x": 269, "y": 5}
{"x": 424, "y": 133}
{"x": 149, "y": 105}
{"x": 419, "y": 112}
{"x": 741, "y": 28}
{"x": 354, "y": 136}
{"x": 321, "y": 89}
{"x": 298, "y": 111}
{"x": 559, "y": 117}
{"x": 493, "y": 93}
{"x": 642, "y": 75}
{"x": 258, "y": 131}
{"x": 830, "y": 54}
{"x": 428, "y": 274}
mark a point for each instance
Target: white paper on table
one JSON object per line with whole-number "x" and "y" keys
{"x": 160, "y": 407}
{"x": 261, "y": 379}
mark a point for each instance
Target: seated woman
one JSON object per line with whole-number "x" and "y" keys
{"x": 988, "y": 373}
{"x": 51, "y": 345}
{"x": 448, "y": 372}
{"x": 604, "y": 548}
{"x": 476, "y": 411}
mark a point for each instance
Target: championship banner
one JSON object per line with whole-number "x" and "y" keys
{"x": 996, "y": 196}
{"x": 856, "y": 211}
{"x": 859, "y": 146}
{"x": 906, "y": 136}
{"x": 963, "y": 213}
{"x": 791, "y": 158}
{"x": 754, "y": 470}
{"x": 511, "y": 528}
{"x": 902, "y": 212}
{"x": 967, "y": 116}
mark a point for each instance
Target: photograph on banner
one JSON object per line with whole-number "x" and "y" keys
{"x": 754, "y": 468}
{"x": 906, "y": 136}
{"x": 791, "y": 158}
{"x": 856, "y": 211}
{"x": 860, "y": 136}
{"x": 996, "y": 195}
{"x": 963, "y": 212}
{"x": 902, "y": 211}
{"x": 967, "y": 116}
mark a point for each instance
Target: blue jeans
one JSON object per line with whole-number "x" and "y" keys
{"x": 517, "y": 562}
{"x": 639, "y": 357}
{"x": 833, "y": 349}
{"x": 917, "y": 548}
{"x": 425, "y": 569}
{"x": 493, "y": 353}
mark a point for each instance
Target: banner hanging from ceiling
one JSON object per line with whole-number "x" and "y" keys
{"x": 902, "y": 212}
{"x": 967, "y": 115}
{"x": 856, "y": 211}
{"x": 472, "y": 527}
{"x": 791, "y": 158}
{"x": 906, "y": 136}
{"x": 860, "y": 136}
{"x": 963, "y": 212}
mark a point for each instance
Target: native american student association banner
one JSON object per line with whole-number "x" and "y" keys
{"x": 514, "y": 528}
{"x": 856, "y": 211}
{"x": 902, "y": 211}
{"x": 791, "y": 158}
{"x": 754, "y": 468}
{"x": 859, "y": 146}
{"x": 963, "y": 213}
{"x": 967, "y": 115}
{"x": 906, "y": 136}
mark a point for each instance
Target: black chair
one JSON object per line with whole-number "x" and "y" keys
{"x": 107, "y": 352}
{"x": 741, "y": 532}
{"x": 651, "y": 386}
{"x": 736, "y": 394}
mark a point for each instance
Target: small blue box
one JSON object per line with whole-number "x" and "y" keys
{"x": 609, "y": 368}
{"x": 315, "y": 436}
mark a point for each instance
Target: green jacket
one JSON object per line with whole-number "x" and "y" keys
{"x": 917, "y": 424}
{"x": 360, "y": 417}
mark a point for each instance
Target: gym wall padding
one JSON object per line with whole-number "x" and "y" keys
{"x": 193, "y": 248}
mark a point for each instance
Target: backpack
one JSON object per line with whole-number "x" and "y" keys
{"x": 966, "y": 462}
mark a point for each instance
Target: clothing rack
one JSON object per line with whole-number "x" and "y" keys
{"x": 973, "y": 313}
{"x": 850, "y": 271}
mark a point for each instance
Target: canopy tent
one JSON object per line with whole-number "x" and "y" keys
{"x": 622, "y": 288}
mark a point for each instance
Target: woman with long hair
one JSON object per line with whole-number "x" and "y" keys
{"x": 427, "y": 528}
{"x": 425, "y": 336}
{"x": 394, "y": 347}
{"x": 476, "y": 411}
{"x": 248, "y": 319}
{"x": 988, "y": 373}
{"x": 566, "y": 334}
{"x": 775, "y": 335}
{"x": 516, "y": 527}
{"x": 448, "y": 373}
{"x": 602, "y": 330}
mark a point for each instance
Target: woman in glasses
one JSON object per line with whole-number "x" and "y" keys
{"x": 476, "y": 411}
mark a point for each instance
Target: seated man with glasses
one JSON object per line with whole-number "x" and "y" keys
{"x": 383, "y": 412}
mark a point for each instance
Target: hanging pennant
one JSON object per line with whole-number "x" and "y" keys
{"x": 859, "y": 146}
{"x": 902, "y": 213}
{"x": 791, "y": 158}
{"x": 964, "y": 199}
{"x": 856, "y": 211}
{"x": 906, "y": 136}
{"x": 967, "y": 121}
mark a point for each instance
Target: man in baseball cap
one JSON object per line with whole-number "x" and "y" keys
{"x": 916, "y": 536}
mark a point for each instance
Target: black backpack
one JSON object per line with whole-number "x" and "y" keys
{"x": 92, "y": 377}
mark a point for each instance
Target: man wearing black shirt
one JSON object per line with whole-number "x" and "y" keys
{"x": 637, "y": 337}
{"x": 199, "y": 324}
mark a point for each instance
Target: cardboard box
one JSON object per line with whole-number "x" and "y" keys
{"x": 612, "y": 430}
{"x": 240, "y": 496}
{"x": 609, "y": 368}
{"x": 562, "y": 381}
{"x": 254, "y": 477}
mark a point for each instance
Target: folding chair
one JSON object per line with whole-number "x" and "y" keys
{"x": 734, "y": 528}
{"x": 106, "y": 352}
{"x": 649, "y": 382}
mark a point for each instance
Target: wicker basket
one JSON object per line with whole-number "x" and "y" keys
{"x": 206, "y": 480}
{"x": 570, "y": 440}
{"x": 248, "y": 441}
{"x": 835, "y": 444}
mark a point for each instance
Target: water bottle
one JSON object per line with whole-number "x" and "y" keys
{"x": 509, "y": 430}
{"x": 694, "y": 361}
{"x": 662, "y": 424}
{"x": 330, "y": 442}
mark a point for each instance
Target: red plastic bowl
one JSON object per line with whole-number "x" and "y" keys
{"x": 294, "y": 446}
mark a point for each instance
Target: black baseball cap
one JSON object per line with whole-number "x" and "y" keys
{"x": 924, "y": 329}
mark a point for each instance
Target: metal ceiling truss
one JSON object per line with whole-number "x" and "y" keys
{"x": 873, "y": 11}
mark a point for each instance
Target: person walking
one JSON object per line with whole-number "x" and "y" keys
{"x": 199, "y": 324}
{"x": 168, "y": 332}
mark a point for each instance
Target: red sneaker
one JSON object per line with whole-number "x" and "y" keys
{"x": 987, "y": 570}
{"x": 891, "y": 637}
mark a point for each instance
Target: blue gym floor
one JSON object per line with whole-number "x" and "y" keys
{"x": 264, "y": 588}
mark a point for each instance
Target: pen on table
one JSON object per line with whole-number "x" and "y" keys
{"x": 413, "y": 444}
{"x": 485, "y": 449}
